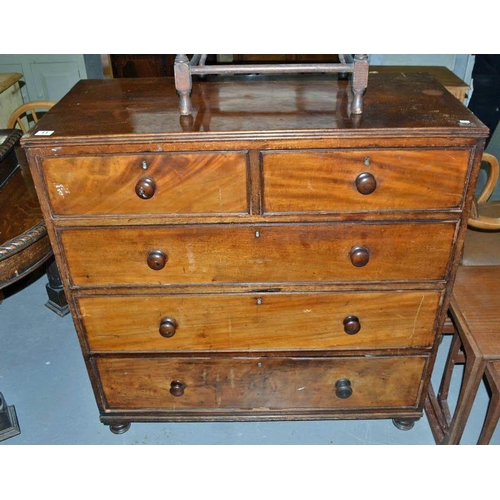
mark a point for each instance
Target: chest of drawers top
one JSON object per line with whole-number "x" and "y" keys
{"x": 145, "y": 110}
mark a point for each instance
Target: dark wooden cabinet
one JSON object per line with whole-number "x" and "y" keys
{"x": 151, "y": 65}
{"x": 270, "y": 257}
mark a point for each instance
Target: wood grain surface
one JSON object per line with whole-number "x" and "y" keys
{"x": 258, "y": 254}
{"x": 326, "y": 181}
{"x": 260, "y": 383}
{"x": 185, "y": 183}
{"x": 260, "y": 322}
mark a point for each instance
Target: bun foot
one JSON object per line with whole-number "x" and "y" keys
{"x": 404, "y": 424}
{"x": 119, "y": 428}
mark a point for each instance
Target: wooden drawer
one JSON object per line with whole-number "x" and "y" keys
{"x": 215, "y": 254}
{"x": 197, "y": 183}
{"x": 334, "y": 181}
{"x": 260, "y": 322}
{"x": 275, "y": 383}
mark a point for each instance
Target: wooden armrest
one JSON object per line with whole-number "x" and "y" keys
{"x": 492, "y": 180}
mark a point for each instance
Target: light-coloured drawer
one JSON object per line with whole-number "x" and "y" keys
{"x": 275, "y": 383}
{"x": 218, "y": 254}
{"x": 267, "y": 322}
{"x": 167, "y": 183}
{"x": 360, "y": 181}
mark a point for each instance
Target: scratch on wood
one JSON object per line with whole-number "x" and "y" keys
{"x": 416, "y": 316}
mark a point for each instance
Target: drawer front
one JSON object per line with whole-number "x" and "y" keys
{"x": 263, "y": 322}
{"x": 359, "y": 181}
{"x": 247, "y": 254}
{"x": 260, "y": 383}
{"x": 198, "y": 183}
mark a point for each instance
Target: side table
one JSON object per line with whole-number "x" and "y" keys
{"x": 24, "y": 243}
{"x": 476, "y": 343}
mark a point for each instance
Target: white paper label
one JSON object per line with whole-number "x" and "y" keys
{"x": 45, "y": 132}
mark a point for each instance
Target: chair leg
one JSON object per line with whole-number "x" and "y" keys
{"x": 493, "y": 414}
{"x": 444, "y": 387}
{"x": 473, "y": 374}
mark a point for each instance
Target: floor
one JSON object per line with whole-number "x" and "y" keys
{"x": 42, "y": 374}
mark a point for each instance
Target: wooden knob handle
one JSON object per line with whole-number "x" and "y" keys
{"x": 352, "y": 325}
{"x": 177, "y": 388}
{"x": 157, "y": 260}
{"x": 343, "y": 388}
{"x": 168, "y": 327}
{"x": 366, "y": 183}
{"x": 145, "y": 188}
{"x": 359, "y": 256}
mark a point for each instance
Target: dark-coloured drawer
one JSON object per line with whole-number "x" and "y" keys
{"x": 261, "y": 383}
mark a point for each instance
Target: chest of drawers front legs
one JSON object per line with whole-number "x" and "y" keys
{"x": 250, "y": 271}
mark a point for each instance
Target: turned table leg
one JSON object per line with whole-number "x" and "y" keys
{"x": 57, "y": 299}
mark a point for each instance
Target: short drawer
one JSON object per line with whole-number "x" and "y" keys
{"x": 276, "y": 383}
{"x": 359, "y": 181}
{"x": 168, "y": 183}
{"x": 217, "y": 254}
{"x": 292, "y": 321}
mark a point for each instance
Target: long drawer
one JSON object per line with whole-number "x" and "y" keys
{"x": 216, "y": 254}
{"x": 260, "y": 383}
{"x": 358, "y": 181}
{"x": 173, "y": 183}
{"x": 260, "y": 322}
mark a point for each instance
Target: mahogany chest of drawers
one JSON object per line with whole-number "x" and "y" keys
{"x": 269, "y": 257}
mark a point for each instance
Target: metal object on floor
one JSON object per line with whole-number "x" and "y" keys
{"x": 9, "y": 426}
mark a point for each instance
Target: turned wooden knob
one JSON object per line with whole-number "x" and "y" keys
{"x": 343, "y": 388}
{"x": 366, "y": 183}
{"x": 352, "y": 325}
{"x": 145, "y": 188}
{"x": 168, "y": 327}
{"x": 359, "y": 256}
{"x": 157, "y": 260}
{"x": 177, "y": 388}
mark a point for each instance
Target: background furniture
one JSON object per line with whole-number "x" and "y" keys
{"x": 476, "y": 343}
{"x": 279, "y": 259}
{"x": 10, "y": 96}
{"x": 442, "y": 74}
{"x": 151, "y": 65}
{"x": 475, "y": 322}
{"x": 50, "y": 76}
{"x": 24, "y": 244}
{"x": 25, "y": 116}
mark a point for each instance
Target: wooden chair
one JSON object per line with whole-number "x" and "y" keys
{"x": 486, "y": 214}
{"x": 475, "y": 323}
{"x": 26, "y": 115}
{"x": 482, "y": 240}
